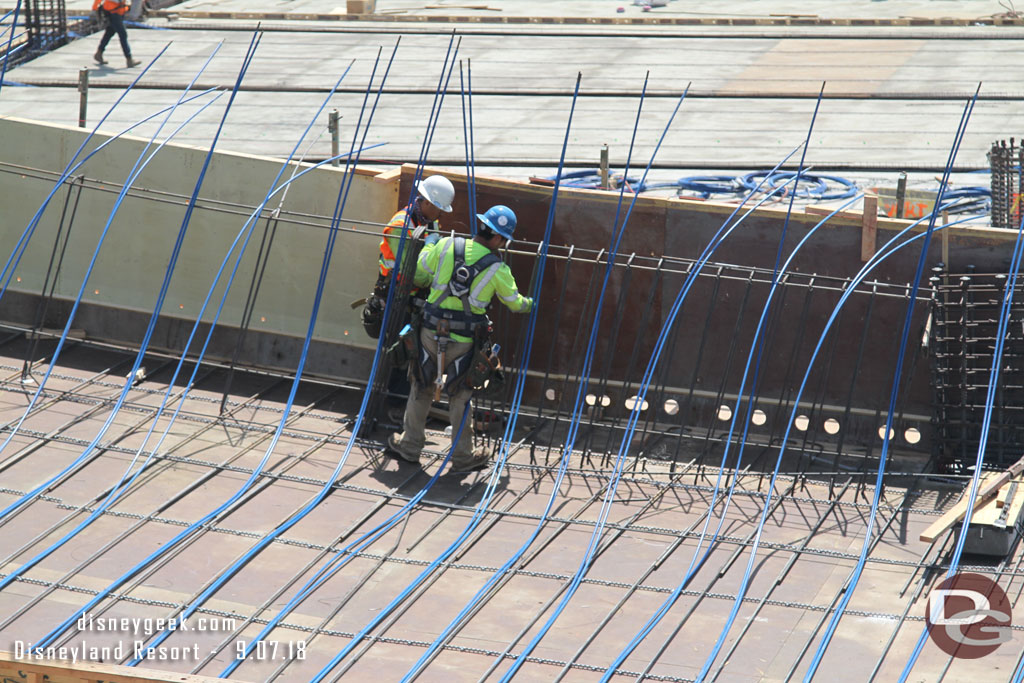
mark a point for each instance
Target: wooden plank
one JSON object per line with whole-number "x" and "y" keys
{"x": 824, "y": 211}
{"x": 60, "y": 671}
{"x": 954, "y": 514}
{"x": 869, "y": 227}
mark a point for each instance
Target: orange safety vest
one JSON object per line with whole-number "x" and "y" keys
{"x": 393, "y": 231}
{"x": 112, "y": 6}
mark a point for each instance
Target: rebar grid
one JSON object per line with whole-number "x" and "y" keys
{"x": 653, "y": 486}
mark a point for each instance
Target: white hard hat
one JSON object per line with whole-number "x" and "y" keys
{"x": 437, "y": 190}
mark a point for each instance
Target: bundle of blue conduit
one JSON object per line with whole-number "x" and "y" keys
{"x": 965, "y": 200}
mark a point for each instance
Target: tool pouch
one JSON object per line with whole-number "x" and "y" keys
{"x": 373, "y": 316}
{"x": 485, "y": 371}
{"x": 373, "y": 311}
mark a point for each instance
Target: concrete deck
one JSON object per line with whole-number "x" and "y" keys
{"x": 894, "y": 95}
{"x": 653, "y": 531}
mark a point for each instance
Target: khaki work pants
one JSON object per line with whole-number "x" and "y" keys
{"x": 412, "y": 438}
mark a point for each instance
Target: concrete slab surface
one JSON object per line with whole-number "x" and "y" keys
{"x": 893, "y": 96}
{"x": 654, "y": 531}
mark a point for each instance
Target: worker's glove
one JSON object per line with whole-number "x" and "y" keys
{"x": 529, "y": 305}
{"x": 432, "y": 238}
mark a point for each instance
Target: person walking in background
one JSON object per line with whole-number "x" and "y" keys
{"x": 113, "y": 12}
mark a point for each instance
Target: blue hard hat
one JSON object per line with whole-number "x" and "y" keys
{"x": 499, "y": 219}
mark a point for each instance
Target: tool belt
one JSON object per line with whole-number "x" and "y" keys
{"x": 479, "y": 369}
{"x": 460, "y": 322}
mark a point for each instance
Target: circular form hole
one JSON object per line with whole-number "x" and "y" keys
{"x": 633, "y": 401}
{"x": 724, "y": 413}
{"x": 912, "y": 435}
{"x": 759, "y": 417}
{"x": 671, "y": 406}
{"x": 881, "y": 432}
{"x": 550, "y": 394}
{"x": 591, "y": 399}
{"x": 832, "y": 426}
{"x": 802, "y": 422}
{"x": 606, "y": 401}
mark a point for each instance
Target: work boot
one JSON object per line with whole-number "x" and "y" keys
{"x": 98, "y": 58}
{"x": 394, "y": 449}
{"x": 477, "y": 461}
{"x": 131, "y": 62}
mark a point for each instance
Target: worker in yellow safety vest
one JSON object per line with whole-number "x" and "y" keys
{"x": 112, "y": 13}
{"x": 452, "y": 341}
{"x": 419, "y": 221}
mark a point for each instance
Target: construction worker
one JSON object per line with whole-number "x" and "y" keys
{"x": 112, "y": 12}
{"x": 419, "y": 220}
{"x": 463, "y": 276}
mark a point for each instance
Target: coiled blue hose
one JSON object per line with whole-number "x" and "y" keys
{"x": 812, "y": 186}
{"x": 819, "y": 184}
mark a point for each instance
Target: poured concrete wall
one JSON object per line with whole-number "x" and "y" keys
{"x": 700, "y": 370}
{"x": 130, "y": 265}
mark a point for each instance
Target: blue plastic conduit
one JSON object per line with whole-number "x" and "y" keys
{"x": 609, "y": 495}
{"x": 484, "y": 503}
{"x": 138, "y": 167}
{"x": 248, "y": 58}
{"x": 121, "y": 486}
{"x": 993, "y": 383}
{"x": 327, "y": 570}
{"x": 616, "y": 235}
{"x": 579, "y": 403}
{"x": 114, "y": 492}
{"x": 695, "y": 564}
{"x": 890, "y": 247}
{"x": 467, "y": 137}
{"x": 605, "y": 510}
{"x": 75, "y": 165}
{"x": 328, "y": 251}
{"x": 10, "y": 39}
{"x": 897, "y": 376}
{"x": 342, "y": 556}
{"x": 757, "y": 346}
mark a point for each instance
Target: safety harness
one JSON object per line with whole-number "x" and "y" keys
{"x": 464, "y": 286}
{"x": 467, "y": 283}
